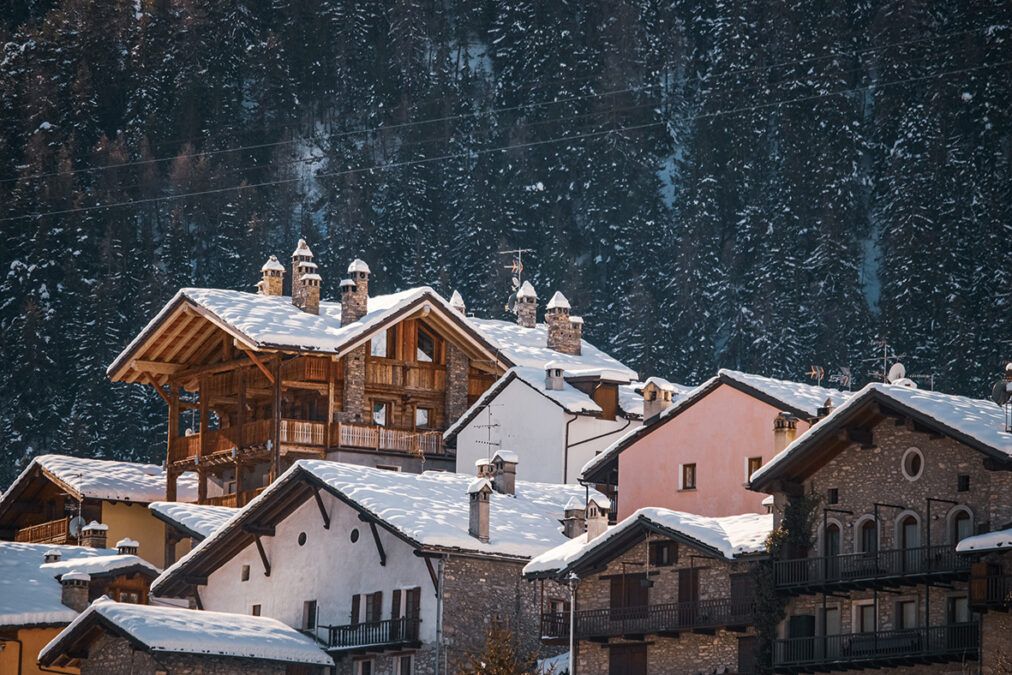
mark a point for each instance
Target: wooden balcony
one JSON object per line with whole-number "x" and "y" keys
{"x": 991, "y": 592}
{"x": 664, "y": 619}
{"x": 882, "y": 649}
{"x": 407, "y": 374}
{"x": 51, "y": 532}
{"x": 374, "y": 635}
{"x": 305, "y": 369}
{"x": 234, "y": 499}
{"x": 909, "y": 566}
{"x": 367, "y": 437}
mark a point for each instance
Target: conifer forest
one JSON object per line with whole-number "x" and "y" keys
{"x": 764, "y": 186}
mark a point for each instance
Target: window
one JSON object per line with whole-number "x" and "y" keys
{"x": 244, "y": 575}
{"x": 364, "y": 667}
{"x": 958, "y": 609}
{"x": 422, "y": 416}
{"x": 302, "y": 538}
{"x": 663, "y": 553}
{"x": 833, "y": 496}
{"x": 387, "y": 467}
{"x": 906, "y": 614}
{"x": 374, "y": 607}
{"x": 912, "y": 464}
{"x": 379, "y": 413}
{"x": 688, "y": 477}
{"x": 378, "y": 345}
{"x": 962, "y": 526}
{"x": 426, "y": 351}
{"x": 869, "y": 537}
{"x": 963, "y": 483}
{"x": 404, "y": 664}
{"x": 255, "y": 610}
{"x": 865, "y": 619}
{"x": 558, "y": 605}
{"x": 309, "y": 615}
{"x": 132, "y": 597}
{"x": 752, "y": 465}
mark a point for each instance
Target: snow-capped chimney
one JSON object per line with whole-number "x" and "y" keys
{"x": 457, "y": 303}
{"x": 355, "y": 292}
{"x": 127, "y": 546}
{"x": 656, "y": 399}
{"x": 527, "y": 306}
{"x": 554, "y": 380}
{"x": 94, "y": 534}
{"x": 597, "y": 517}
{"x": 478, "y": 493}
{"x": 273, "y": 276}
{"x": 785, "y": 430}
{"x": 564, "y": 334}
{"x": 574, "y": 521}
{"x": 824, "y": 410}
{"x": 75, "y": 590}
{"x": 305, "y": 280}
{"x": 504, "y": 467}
{"x": 52, "y": 556}
{"x": 484, "y": 468}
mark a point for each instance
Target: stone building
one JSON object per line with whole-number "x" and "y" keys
{"x": 393, "y": 572}
{"x": 660, "y": 592}
{"x": 892, "y": 481}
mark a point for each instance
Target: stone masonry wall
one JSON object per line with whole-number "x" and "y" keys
{"x": 457, "y": 365}
{"x": 353, "y": 406}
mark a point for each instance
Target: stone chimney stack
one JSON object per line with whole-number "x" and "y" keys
{"x": 656, "y": 399}
{"x": 527, "y": 306}
{"x": 94, "y": 534}
{"x": 127, "y": 546}
{"x": 504, "y": 466}
{"x": 484, "y": 468}
{"x": 785, "y": 430}
{"x": 824, "y": 410}
{"x": 52, "y": 556}
{"x": 564, "y": 335}
{"x": 478, "y": 493}
{"x": 273, "y": 273}
{"x": 554, "y": 380}
{"x": 574, "y": 522}
{"x": 355, "y": 292}
{"x": 597, "y": 517}
{"x": 457, "y": 303}
{"x": 303, "y": 266}
{"x": 75, "y": 590}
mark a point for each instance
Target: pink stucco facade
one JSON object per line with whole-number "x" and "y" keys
{"x": 718, "y": 434}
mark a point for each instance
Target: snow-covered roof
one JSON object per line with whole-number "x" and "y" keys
{"x": 302, "y": 249}
{"x": 273, "y": 264}
{"x": 575, "y": 504}
{"x": 101, "y": 565}
{"x": 429, "y": 510}
{"x": 526, "y": 291}
{"x": 558, "y": 301}
{"x": 976, "y": 422}
{"x": 990, "y": 541}
{"x": 358, "y": 265}
{"x": 187, "y": 631}
{"x": 197, "y": 520}
{"x": 630, "y": 396}
{"x": 805, "y": 398}
{"x": 105, "y": 479}
{"x": 728, "y": 536}
{"x": 456, "y": 300}
{"x": 29, "y": 592}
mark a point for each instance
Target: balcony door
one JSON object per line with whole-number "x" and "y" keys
{"x": 628, "y": 597}
{"x": 688, "y": 595}
{"x": 832, "y": 551}
{"x": 910, "y": 541}
{"x": 627, "y": 660}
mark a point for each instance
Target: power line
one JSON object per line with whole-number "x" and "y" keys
{"x": 518, "y": 146}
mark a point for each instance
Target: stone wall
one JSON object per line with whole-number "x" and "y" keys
{"x": 353, "y": 406}
{"x": 457, "y": 365}
{"x": 688, "y": 653}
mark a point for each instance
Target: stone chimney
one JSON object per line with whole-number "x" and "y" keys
{"x": 304, "y": 278}
{"x": 484, "y": 468}
{"x": 574, "y": 521}
{"x": 311, "y": 292}
{"x": 785, "y": 430}
{"x": 527, "y": 306}
{"x": 75, "y": 590}
{"x": 52, "y": 556}
{"x": 355, "y": 292}
{"x": 478, "y": 493}
{"x": 656, "y": 399}
{"x": 127, "y": 546}
{"x": 554, "y": 380}
{"x": 273, "y": 273}
{"x": 457, "y": 303}
{"x": 563, "y": 335}
{"x": 94, "y": 534}
{"x": 504, "y": 466}
{"x": 824, "y": 410}
{"x": 597, "y": 517}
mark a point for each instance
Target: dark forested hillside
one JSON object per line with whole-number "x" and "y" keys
{"x": 758, "y": 185}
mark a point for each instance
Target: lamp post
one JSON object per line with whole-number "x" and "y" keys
{"x": 572, "y": 578}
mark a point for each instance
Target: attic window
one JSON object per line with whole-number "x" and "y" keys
{"x": 963, "y": 482}
{"x": 663, "y": 553}
{"x": 378, "y": 345}
{"x": 912, "y": 464}
{"x": 426, "y": 352}
{"x": 244, "y": 575}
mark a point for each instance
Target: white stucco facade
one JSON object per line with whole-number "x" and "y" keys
{"x": 329, "y": 568}
{"x": 535, "y": 427}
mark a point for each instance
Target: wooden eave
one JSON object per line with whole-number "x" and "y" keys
{"x": 32, "y": 484}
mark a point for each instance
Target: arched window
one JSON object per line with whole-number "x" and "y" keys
{"x": 868, "y": 536}
{"x": 961, "y": 524}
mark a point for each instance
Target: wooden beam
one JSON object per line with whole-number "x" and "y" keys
{"x": 171, "y": 476}
{"x": 259, "y": 364}
{"x": 181, "y": 320}
{"x": 275, "y": 418}
{"x": 205, "y": 419}
{"x": 376, "y": 538}
{"x": 158, "y": 389}
{"x": 263, "y": 557}
{"x": 196, "y": 597}
{"x": 194, "y": 580}
{"x": 323, "y": 511}
{"x": 432, "y": 575}
{"x": 197, "y": 335}
{"x": 259, "y": 530}
{"x": 156, "y": 367}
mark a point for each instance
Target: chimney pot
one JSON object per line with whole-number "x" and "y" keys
{"x": 355, "y": 292}
{"x": 527, "y": 306}
{"x": 554, "y": 378}
{"x": 457, "y": 303}
{"x": 478, "y": 493}
{"x": 127, "y": 546}
{"x": 94, "y": 534}
{"x": 52, "y": 556}
{"x": 504, "y": 466}
{"x": 75, "y": 590}
{"x": 597, "y": 517}
{"x": 825, "y": 409}
{"x": 656, "y": 399}
{"x": 574, "y": 522}
{"x": 273, "y": 274}
{"x": 305, "y": 280}
{"x": 785, "y": 430}
{"x": 564, "y": 334}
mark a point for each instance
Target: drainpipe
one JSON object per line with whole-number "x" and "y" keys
{"x": 439, "y": 613}
{"x": 572, "y": 622}
{"x": 565, "y": 471}
{"x": 565, "y": 455}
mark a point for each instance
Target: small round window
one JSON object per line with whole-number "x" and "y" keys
{"x": 913, "y": 464}
{"x": 302, "y": 538}
{"x": 354, "y": 535}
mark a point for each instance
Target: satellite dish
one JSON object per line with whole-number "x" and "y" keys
{"x": 1000, "y": 393}
{"x": 516, "y": 283}
{"x": 896, "y": 372}
{"x": 511, "y": 304}
{"x": 74, "y": 526}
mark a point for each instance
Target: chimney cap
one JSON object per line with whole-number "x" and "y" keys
{"x": 345, "y": 283}
{"x": 575, "y": 319}
{"x": 74, "y": 575}
{"x": 94, "y": 525}
{"x": 603, "y": 503}
{"x": 506, "y": 456}
{"x": 127, "y": 542}
{"x": 574, "y": 504}
{"x": 52, "y": 555}
{"x": 482, "y": 462}
{"x": 479, "y": 485}
{"x": 456, "y": 300}
{"x": 358, "y": 265}
{"x": 273, "y": 265}
{"x": 527, "y": 291}
{"x": 558, "y": 301}
{"x": 302, "y": 249}
{"x": 313, "y": 276}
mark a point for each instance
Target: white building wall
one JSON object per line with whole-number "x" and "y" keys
{"x": 589, "y": 436}
{"x": 329, "y": 568}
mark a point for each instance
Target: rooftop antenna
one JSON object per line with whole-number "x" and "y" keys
{"x": 516, "y": 269}
{"x": 887, "y": 354}
{"x": 1001, "y": 394}
{"x": 489, "y": 426}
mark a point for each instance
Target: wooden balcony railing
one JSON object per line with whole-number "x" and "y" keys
{"x": 991, "y": 592}
{"x": 305, "y": 368}
{"x": 375, "y": 634}
{"x": 909, "y": 565}
{"x": 664, "y": 618}
{"x": 231, "y": 499}
{"x": 295, "y": 432}
{"x": 933, "y": 644}
{"x": 410, "y": 374}
{"x": 409, "y": 441}
{"x": 51, "y": 532}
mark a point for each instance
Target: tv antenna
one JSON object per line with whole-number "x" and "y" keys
{"x": 842, "y": 376}
{"x": 887, "y": 354}
{"x": 1001, "y": 394}
{"x": 488, "y": 427}
{"x": 516, "y": 268}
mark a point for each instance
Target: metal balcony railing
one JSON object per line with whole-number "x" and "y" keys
{"x": 669, "y": 617}
{"x": 864, "y": 569}
{"x": 937, "y": 644}
{"x": 374, "y": 634}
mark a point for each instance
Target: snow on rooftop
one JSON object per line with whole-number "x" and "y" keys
{"x": 574, "y": 504}
{"x": 730, "y": 536}
{"x": 197, "y": 519}
{"x": 75, "y": 575}
{"x": 108, "y": 479}
{"x": 127, "y": 542}
{"x": 358, "y": 265}
{"x": 312, "y": 277}
{"x": 990, "y": 541}
{"x": 273, "y": 264}
{"x": 526, "y": 291}
{"x": 575, "y": 319}
{"x": 805, "y": 397}
{"x": 558, "y": 301}
{"x": 507, "y": 456}
{"x": 478, "y": 484}
{"x": 187, "y": 631}
{"x": 99, "y": 565}
{"x": 95, "y": 526}
{"x": 29, "y": 591}
{"x": 302, "y": 249}
{"x": 979, "y": 419}
{"x": 456, "y": 300}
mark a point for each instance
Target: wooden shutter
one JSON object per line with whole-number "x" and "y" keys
{"x": 414, "y": 597}
{"x": 395, "y": 605}
{"x": 688, "y": 585}
{"x": 356, "y": 602}
{"x": 617, "y": 598}
{"x": 374, "y": 607}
